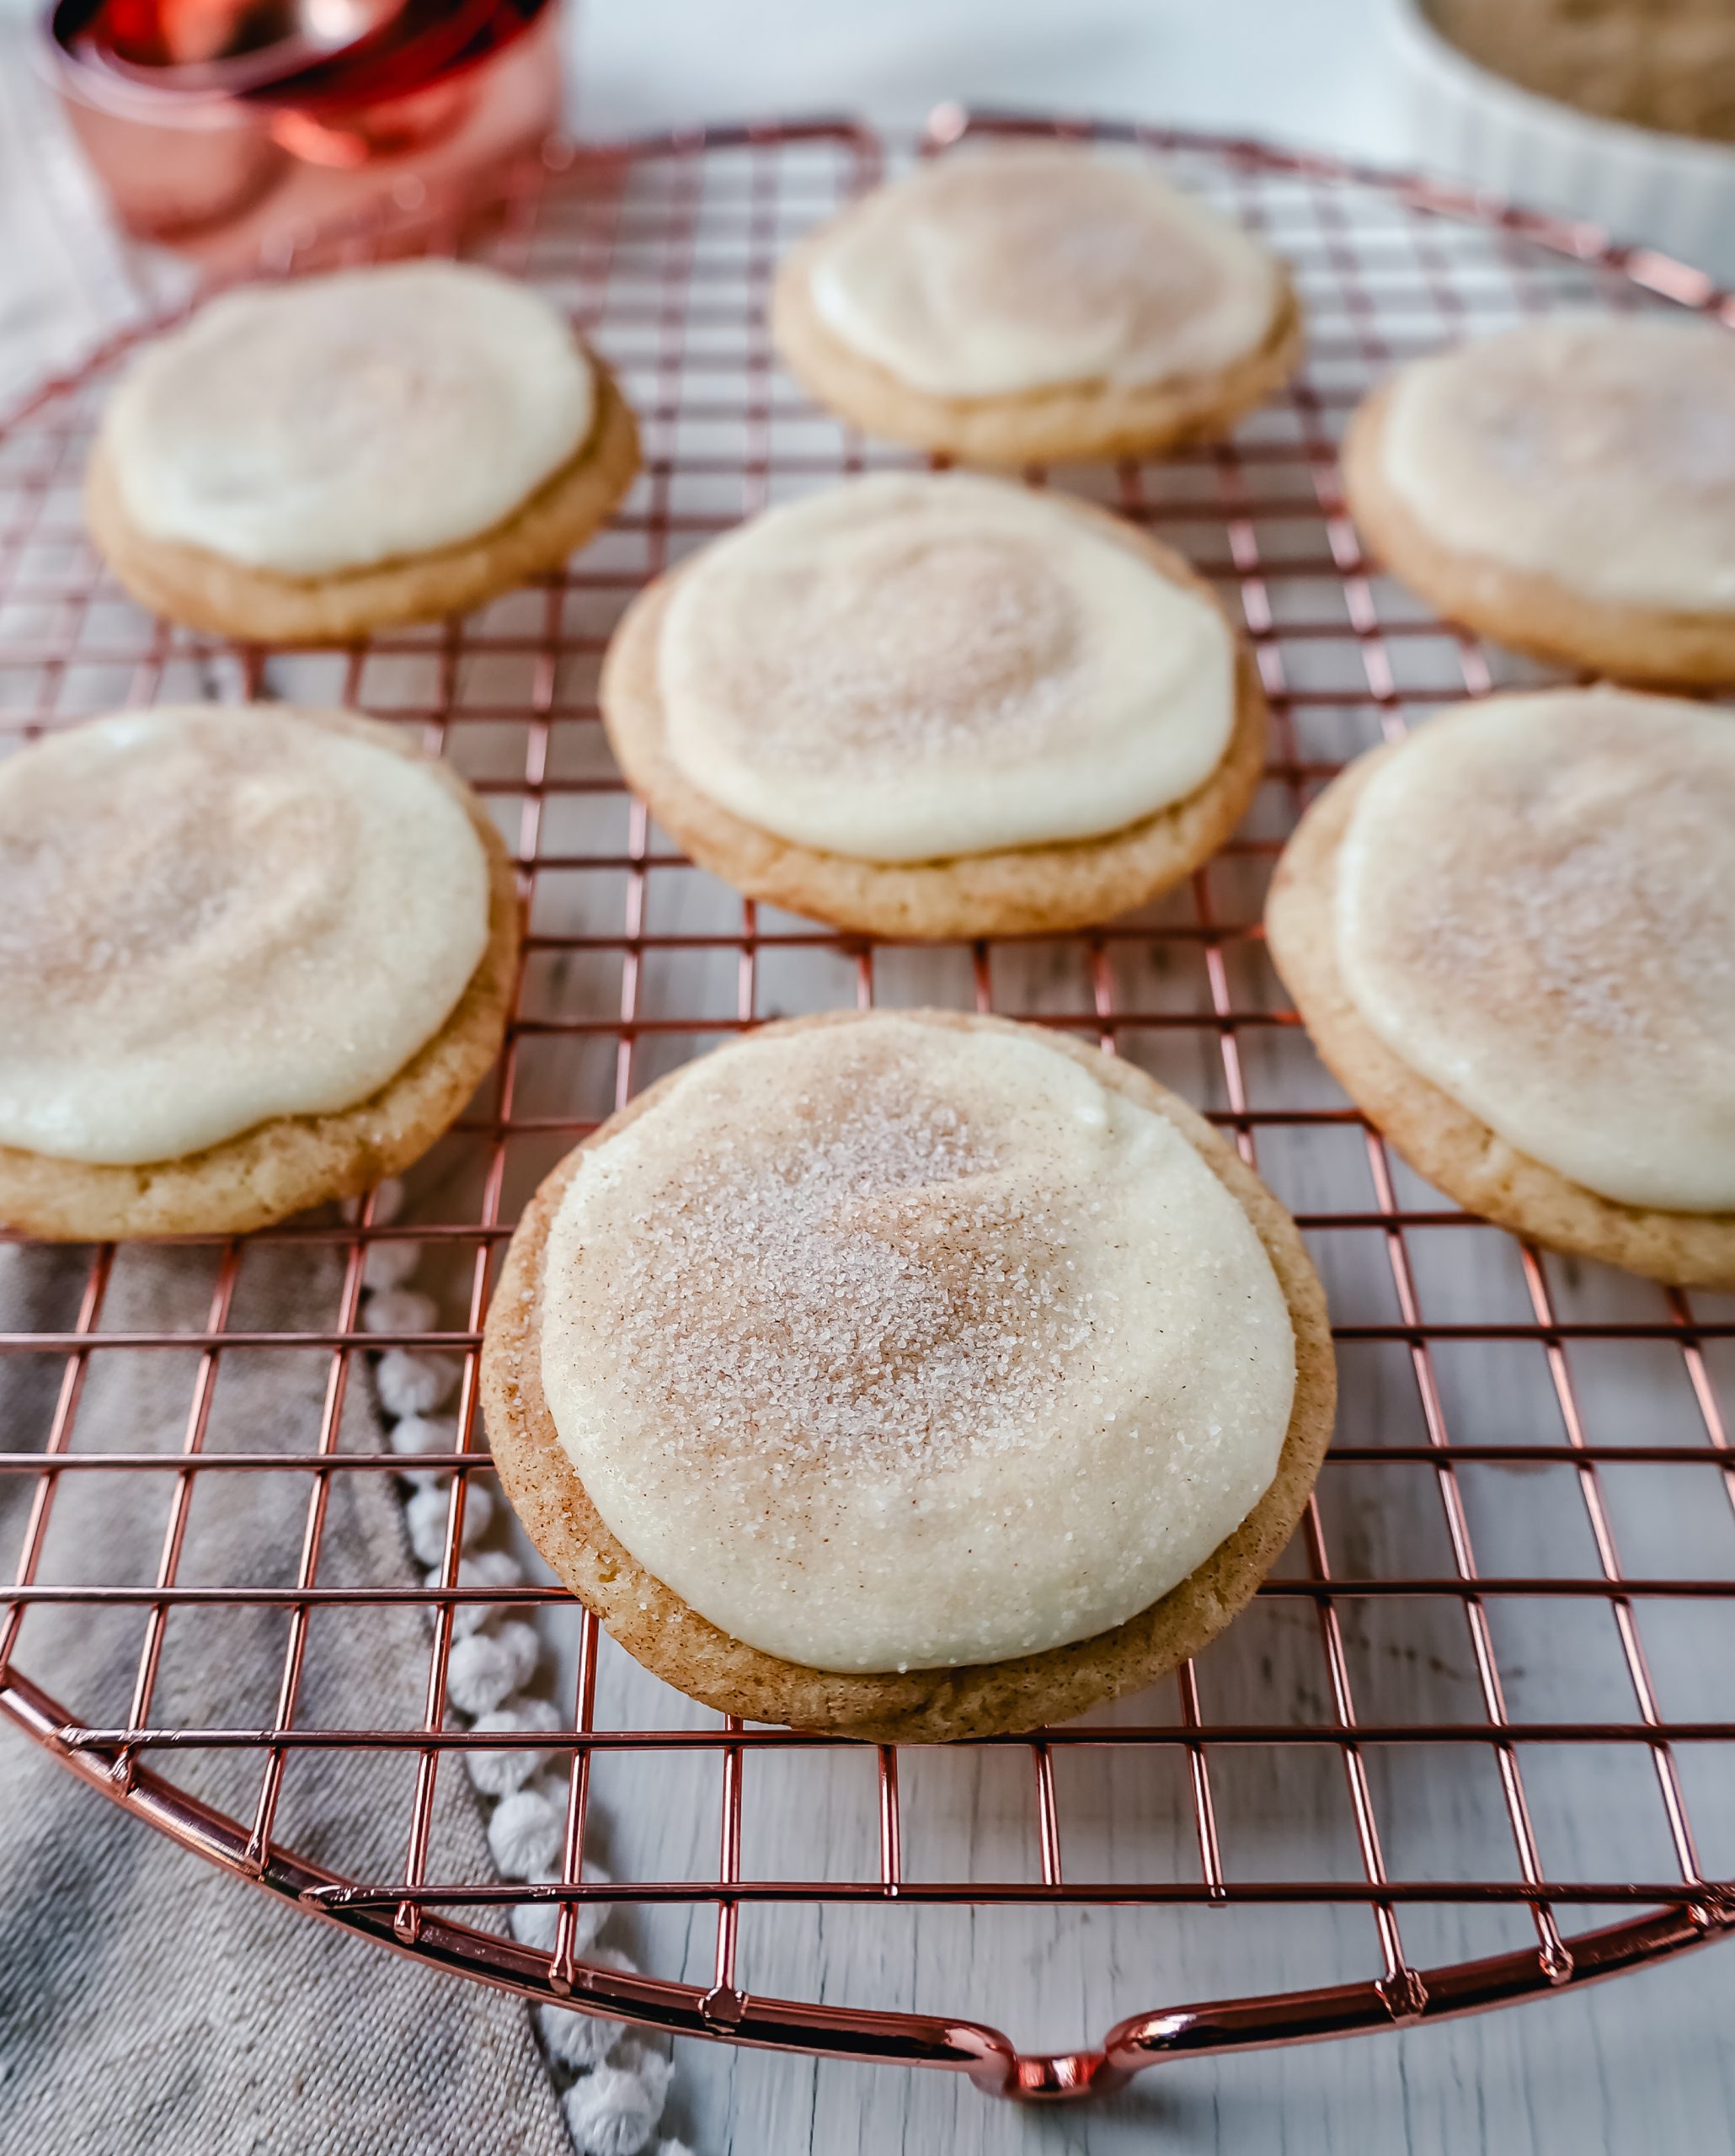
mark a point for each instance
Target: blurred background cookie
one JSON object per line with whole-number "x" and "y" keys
{"x": 303, "y": 462}
{"x": 1567, "y": 488}
{"x": 1035, "y": 304}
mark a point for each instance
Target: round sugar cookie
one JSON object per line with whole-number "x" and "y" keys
{"x": 1035, "y": 304}
{"x": 935, "y": 705}
{"x": 253, "y": 958}
{"x": 305, "y": 462}
{"x": 1511, "y": 937}
{"x": 1566, "y": 488}
{"x": 913, "y": 1406}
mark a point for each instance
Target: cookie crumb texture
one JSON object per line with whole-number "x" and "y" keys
{"x": 1670, "y": 66}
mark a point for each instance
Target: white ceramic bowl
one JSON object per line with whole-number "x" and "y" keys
{"x": 1668, "y": 191}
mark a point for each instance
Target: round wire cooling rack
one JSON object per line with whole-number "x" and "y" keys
{"x": 1470, "y": 1742}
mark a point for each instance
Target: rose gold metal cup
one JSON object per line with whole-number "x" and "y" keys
{"x": 211, "y": 155}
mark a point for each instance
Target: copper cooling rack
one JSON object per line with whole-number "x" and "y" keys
{"x": 1471, "y": 1742}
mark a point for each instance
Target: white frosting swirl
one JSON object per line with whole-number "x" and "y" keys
{"x": 914, "y": 666}
{"x": 889, "y": 1345}
{"x": 335, "y": 423}
{"x": 1535, "y": 909}
{"x": 996, "y": 272}
{"x": 209, "y": 917}
{"x": 1598, "y": 451}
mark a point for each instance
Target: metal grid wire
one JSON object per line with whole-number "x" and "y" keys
{"x": 1472, "y": 1741}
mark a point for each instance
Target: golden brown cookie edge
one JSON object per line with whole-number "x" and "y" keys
{"x": 671, "y": 1640}
{"x": 204, "y": 590}
{"x": 287, "y": 1163}
{"x": 1073, "y": 423}
{"x": 1446, "y": 1144}
{"x": 1017, "y": 890}
{"x": 1521, "y": 608}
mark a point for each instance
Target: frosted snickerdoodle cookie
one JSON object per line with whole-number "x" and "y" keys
{"x": 934, "y": 705}
{"x": 250, "y": 958}
{"x": 914, "y": 1376}
{"x": 1512, "y": 937}
{"x": 1567, "y": 488}
{"x": 1033, "y": 305}
{"x": 303, "y": 462}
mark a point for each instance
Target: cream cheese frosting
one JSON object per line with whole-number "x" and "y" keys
{"x": 334, "y": 423}
{"x": 210, "y": 917}
{"x": 890, "y": 1345}
{"x": 1535, "y": 909}
{"x": 1002, "y": 271}
{"x": 1598, "y": 451}
{"x": 914, "y": 666}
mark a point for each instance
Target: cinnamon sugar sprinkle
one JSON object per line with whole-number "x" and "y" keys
{"x": 878, "y": 1296}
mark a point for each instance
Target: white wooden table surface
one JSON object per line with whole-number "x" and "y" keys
{"x": 1644, "y": 2065}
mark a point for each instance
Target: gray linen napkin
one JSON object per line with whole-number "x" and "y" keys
{"x": 147, "y": 2001}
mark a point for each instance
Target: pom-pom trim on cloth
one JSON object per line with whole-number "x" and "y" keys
{"x": 616, "y": 2089}
{"x": 614, "y": 2110}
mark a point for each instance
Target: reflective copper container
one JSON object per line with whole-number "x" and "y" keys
{"x": 211, "y": 122}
